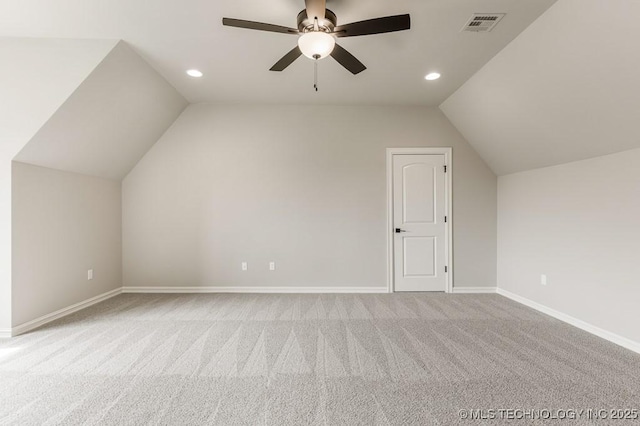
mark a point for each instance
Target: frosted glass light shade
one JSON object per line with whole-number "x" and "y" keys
{"x": 316, "y": 43}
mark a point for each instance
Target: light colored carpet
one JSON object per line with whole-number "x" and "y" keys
{"x": 306, "y": 359}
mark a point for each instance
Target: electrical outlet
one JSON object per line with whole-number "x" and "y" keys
{"x": 543, "y": 279}
{"x": 245, "y": 266}
{"x": 272, "y": 266}
{"x": 89, "y": 274}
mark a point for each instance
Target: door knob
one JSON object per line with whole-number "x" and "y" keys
{"x": 398, "y": 230}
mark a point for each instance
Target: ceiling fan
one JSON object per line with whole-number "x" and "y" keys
{"x": 317, "y": 27}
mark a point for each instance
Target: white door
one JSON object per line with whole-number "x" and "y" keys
{"x": 419, "y": 222}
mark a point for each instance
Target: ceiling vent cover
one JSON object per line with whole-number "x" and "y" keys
{"x": 482, "y": 22}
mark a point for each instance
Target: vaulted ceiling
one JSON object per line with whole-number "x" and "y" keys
{"x": 554, "y": 82}
{"x": 36, "y": 78}
{"x": 177, "y": 35}
{"x": 566, "y": 89}
{"x": 109, "y": 122}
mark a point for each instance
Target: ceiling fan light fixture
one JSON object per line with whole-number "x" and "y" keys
{"x": 316, "y": 44}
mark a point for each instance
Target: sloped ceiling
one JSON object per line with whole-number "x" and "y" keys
{"x": 565, "y": 89}
{"x": 36, "y": 77}
{"x": 109, "y": 122}
{"x": 174, "y": 36}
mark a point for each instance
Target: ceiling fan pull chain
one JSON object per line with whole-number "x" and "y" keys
{"x": 315, "y": 74}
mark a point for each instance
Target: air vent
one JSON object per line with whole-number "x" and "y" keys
{"x": 483, "y": 22}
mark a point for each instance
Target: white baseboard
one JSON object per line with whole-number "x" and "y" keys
{"x": 28, "y": 326}
{"x": 589, "y": 328}
{"x": 5, "y": 333}
{"x": 254, "y": 290}
{"x": 473, "y": 290}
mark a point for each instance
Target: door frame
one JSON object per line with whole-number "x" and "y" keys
{"x": 448, "y": 246}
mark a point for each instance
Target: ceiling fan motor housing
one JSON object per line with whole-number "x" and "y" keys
{"x": 326, "y": 24}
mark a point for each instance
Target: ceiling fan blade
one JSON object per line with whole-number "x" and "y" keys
{"x": 251, "y": 25}
{"x": 347, "y": 60}
{"x": 387, "y": 24}
{"x": 315, "y": 9}
{"x": 287, "y": 59}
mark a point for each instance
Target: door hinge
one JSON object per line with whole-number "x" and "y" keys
{"x": 445, "y": 169}
{"x": 445, "y": 219}
{"x": 446, "y": 269}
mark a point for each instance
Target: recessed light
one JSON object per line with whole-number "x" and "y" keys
{"x": 432, "y": 76}
{"x": 194, "y": 73}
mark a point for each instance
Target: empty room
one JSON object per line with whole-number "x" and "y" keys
{"x": 320, "y": 212}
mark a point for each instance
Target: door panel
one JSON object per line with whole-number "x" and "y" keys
{"x": 419, "y": 214}
{"x": 419, "y": 256}
{"x": 417, "y": 193}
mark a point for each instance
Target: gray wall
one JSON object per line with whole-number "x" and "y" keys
{"x": 63, "y": 225}
{"x": 578, "y": 223}
{"x": 302, "y": 186}
{"x": 99, "y": 109}
{"x": 36, "y": 76}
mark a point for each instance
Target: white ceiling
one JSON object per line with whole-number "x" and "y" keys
{"x": 109, "y": 122}
{"x": 36, "y": 78}
{"x": 176, "y": 35}
{"x": 566, "y": 89}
